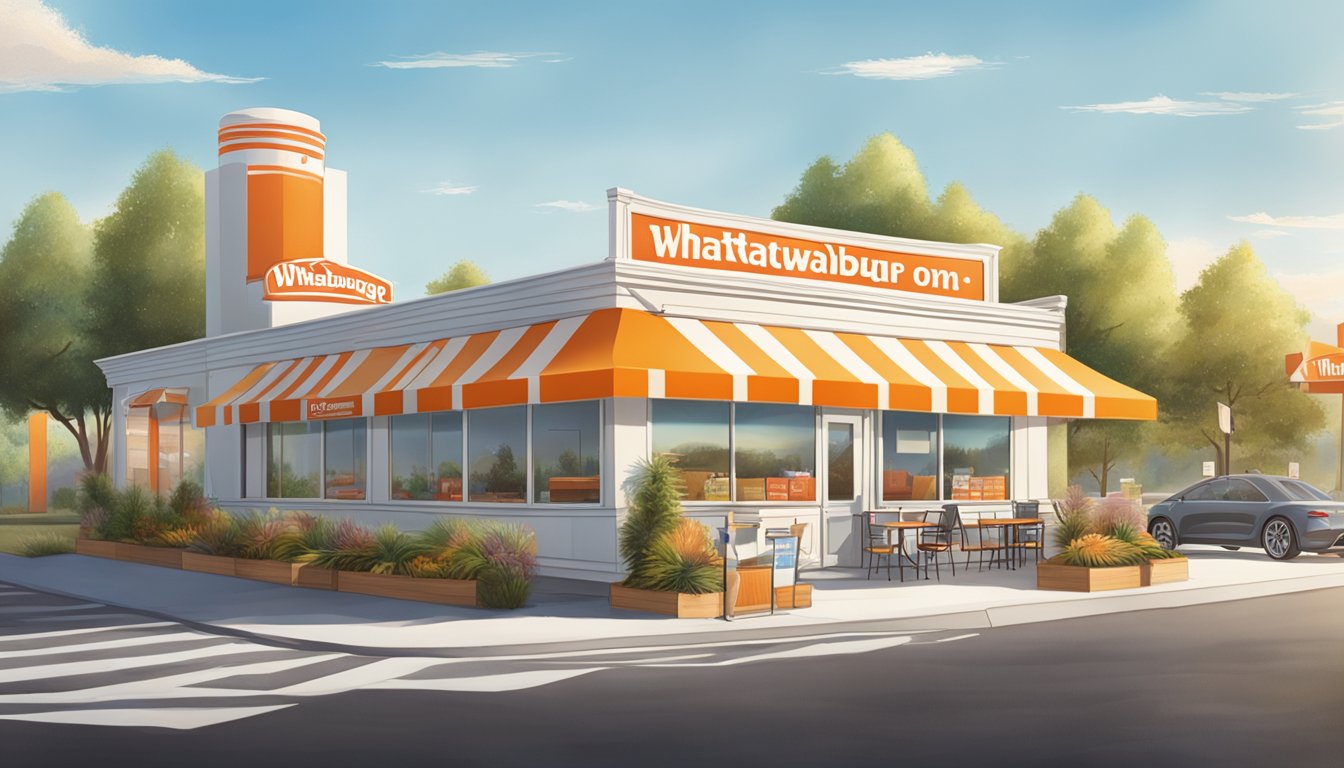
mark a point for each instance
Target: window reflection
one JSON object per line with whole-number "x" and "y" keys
{"x": 694, "y": 434}
{"x": 909, "y": 456}
{"x": 976, "y": 457}
{"x": 497, "y": 453}
{"x": 775, "y": 452}
{"x": 564, "y": 452}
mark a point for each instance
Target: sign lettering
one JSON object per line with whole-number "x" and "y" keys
{"x": 335, "y": 408}
{"x": 326, "y": 281}
{"x": 704, "y": 246}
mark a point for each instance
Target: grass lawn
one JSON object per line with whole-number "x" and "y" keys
{"x": 11, "y": 535}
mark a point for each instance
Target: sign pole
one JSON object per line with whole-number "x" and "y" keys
{"x": 1227, "y": 427}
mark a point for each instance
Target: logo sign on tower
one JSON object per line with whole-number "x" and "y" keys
{"x": 325, "y": 281}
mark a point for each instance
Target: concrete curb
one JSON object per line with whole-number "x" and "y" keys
{"x": 960, "y": 618}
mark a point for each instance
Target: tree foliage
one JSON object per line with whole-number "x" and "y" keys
{"x": 655, "y": 508}
{"x": 464, "y": 274}
{"x": 148, "y": 287}
{"x": 46, "y": 360}
{"x": 1238, "y": 323}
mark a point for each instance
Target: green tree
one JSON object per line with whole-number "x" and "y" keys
{"x": 464, "y": 274}
{"x": 148, "y": 287}
{"x": 655, "y": 509}
{"x": 46, "y": 361}
{"x": 1238, "y": 322}
{"x": 881, "y": 190}
{"x": 1119, "y": 319}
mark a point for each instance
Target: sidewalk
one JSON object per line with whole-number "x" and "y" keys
{"x": 563, "y": 612}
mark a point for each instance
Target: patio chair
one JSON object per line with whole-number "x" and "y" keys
{"x": 1028, "y": 536}
{"x": 985, "y": 541}
{"x": 934, "y": 542}
{"x": 877, "y": 545}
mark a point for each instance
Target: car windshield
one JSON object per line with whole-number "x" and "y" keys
{"x": 1300, "y": 491}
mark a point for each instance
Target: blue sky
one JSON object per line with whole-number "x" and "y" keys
{"x": 1190, "y": 113}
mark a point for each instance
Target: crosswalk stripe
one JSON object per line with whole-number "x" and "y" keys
{"x": 818, "y": 649}
{"x": 170, "y": 686}
{"x": 71, "y": 669}
{"x": 125, "y": 642}
{"x": 17, "y": 609}
{"x": 183, "y": 718}
{"x": 83, "y": 631}
{"x": 510, "y": 681}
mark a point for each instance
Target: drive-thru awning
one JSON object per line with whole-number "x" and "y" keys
{"x": 633, "y": 353}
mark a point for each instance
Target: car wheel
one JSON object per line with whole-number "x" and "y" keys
{"x": 1230, "y": 548}
{"x": 1279, "y": 540}
{"x": 1165, "y": 533}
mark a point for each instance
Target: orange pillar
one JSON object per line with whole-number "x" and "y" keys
{"x": 153, "y": 451}
{"x": 37, "y": 462}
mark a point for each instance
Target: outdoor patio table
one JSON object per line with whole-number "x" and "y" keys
{"x": 901, "y": 526}
{"x": 1005, "y": 523}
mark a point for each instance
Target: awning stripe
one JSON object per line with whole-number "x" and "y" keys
{"x": 630, "y": 353}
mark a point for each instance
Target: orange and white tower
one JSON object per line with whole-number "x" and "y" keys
{"x": 271, "y": 200}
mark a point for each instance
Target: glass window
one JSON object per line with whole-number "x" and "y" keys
{"x": 1300, "y": 491}
{"x": 564, "y": 452}
{"x": 137, "y": 446}
{"x": 976, "y": 457}
{"x": 1214, "y": 489}
{"x": 909, "y": 456}
{"x": 497, "y": 454}
{"x": 426, "y": 456}
{"x": 445, "y": 452}
{"x": 695, "y": 434}
{"x": 408, "y": 444}
{"x": 294, "y": 460}
{"x": 346, "y": 458}
{"x": 775, "y": 452}
{"x": 1242, "y": 490}
{"x": 840, "y": 462}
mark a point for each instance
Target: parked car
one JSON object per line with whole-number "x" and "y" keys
{"x": 1280, "y": 515}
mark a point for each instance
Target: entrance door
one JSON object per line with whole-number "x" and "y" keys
{"x": 842, "y": 491}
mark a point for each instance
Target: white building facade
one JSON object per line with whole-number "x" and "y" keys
{"x": 810, "y": 375}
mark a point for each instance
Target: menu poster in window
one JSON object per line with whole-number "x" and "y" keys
{"x": 916, "y": 441}
{"x": 961, "y": 482}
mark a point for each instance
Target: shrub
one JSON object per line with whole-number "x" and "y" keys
{"x": 177, "y": 537}
{"x": 393, "y": 550}
{"x": 351, "y": 549}
{"x": 312, "y": 533}
{"x": 655, "y": 508}
{"x": 1116, "y": 510}
{"x": 188, "y": 503}
{"x": 218, "y": 535}
{"x": 94, "y": 503}
{"x": 1073, "y": 524}
{"x": 1096, "y": 551}
{"x": 268, "y": 537}
{"x": 502, "y": 558}
{"x": 1123, "y": 530}
{"x": 684, "y": 560}
{"x": 64, "y": 498}
{"x": 46, "y": 544}
{"x": 1154, "y": 551}
{"x": 129, "y": 514}
{"x": 1074, "y": 501}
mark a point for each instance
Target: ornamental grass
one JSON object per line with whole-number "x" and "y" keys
{"x": 684, "y": 560}
{"x": 1096, "y": 551}
{"x": 46, "y": 544}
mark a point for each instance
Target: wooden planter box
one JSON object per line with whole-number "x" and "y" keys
{"x": 270, "y": 571}
{"x": 220, "y": 566}
{"x": 164, "y": 557}
{"x": 1076, "y": 578}
{"x": 707, "y": 606}
{"x": 678, "y": 604}
{"x": 440, "y": 591}
{"x": 95, "y": 548}
{"x": 315, "y": 578}
{"x": 1164, "y": 571}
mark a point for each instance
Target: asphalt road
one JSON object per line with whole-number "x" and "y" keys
{"x": 1255, "y": 683}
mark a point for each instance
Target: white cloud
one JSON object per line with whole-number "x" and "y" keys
{"x": 1293, "y": 222}
{"x": 573, "y": 206}
{"x": 40, "y": 52}
{"x": 478, "y": 60}
{"x": 1189, "y": 256}
{"x": 1162, "y": 105}
{"x": 1269, "y": 234}
{"x": 450, "y": 188}
{"x": 1333, "y": 109}
{"x": 1248, "y": 96}
{"x": 925, "y": 67}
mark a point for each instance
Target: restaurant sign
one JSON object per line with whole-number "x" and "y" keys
{"x": 325, "y": 281}
{"x": 335, "y": 408}
{"x": 733, "y": 249}
{"x": 1325, "y": 368}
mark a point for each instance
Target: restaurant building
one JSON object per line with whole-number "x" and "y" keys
{"x": 807, "y": 374}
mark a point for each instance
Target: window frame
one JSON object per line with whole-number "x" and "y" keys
{"x": 322, "y": 463}
{"x": 942, "y": 449}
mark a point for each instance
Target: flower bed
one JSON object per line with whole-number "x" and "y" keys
{"x": 1104, "y": 547}
{"x": 453, "y": 562}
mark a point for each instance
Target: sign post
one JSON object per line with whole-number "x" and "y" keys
{"x": 1226, "y": 426}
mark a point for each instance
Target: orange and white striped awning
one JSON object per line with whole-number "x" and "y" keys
{"x": 152, "y": 397}
{"x": 631, "y": 353}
